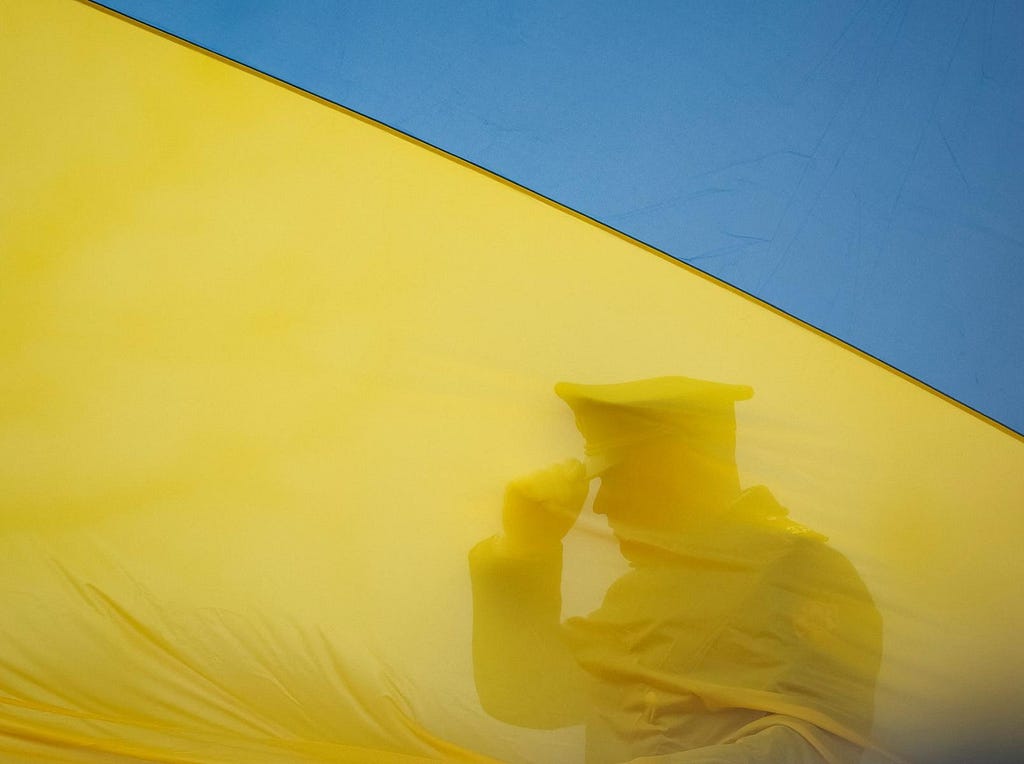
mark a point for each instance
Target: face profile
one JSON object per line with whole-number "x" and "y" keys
{"x": 737, "y": 632}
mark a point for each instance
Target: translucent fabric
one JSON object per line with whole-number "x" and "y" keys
{"x": 277, "y": 421}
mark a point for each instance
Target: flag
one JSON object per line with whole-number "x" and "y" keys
{"x": 279, "y": 408}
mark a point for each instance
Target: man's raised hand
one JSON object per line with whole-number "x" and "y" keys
{"x": 540, "y": 508}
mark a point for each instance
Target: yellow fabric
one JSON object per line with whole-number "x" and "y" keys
{"x": 742, "y": 617}
{"x": 266, "y": 369}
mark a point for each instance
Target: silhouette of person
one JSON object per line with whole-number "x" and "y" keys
{"x": 737, "y": 635}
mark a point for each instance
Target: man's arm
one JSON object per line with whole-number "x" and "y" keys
{"x": 525, "y": 672}
{"x": 775, "y": 743}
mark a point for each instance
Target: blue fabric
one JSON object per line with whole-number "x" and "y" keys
{"x": 857, "y": 164}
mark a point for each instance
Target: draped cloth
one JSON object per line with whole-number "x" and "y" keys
{"x": 750, "y": 619}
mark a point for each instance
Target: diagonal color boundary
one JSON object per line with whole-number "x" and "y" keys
{"x": 557, "y": 205}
